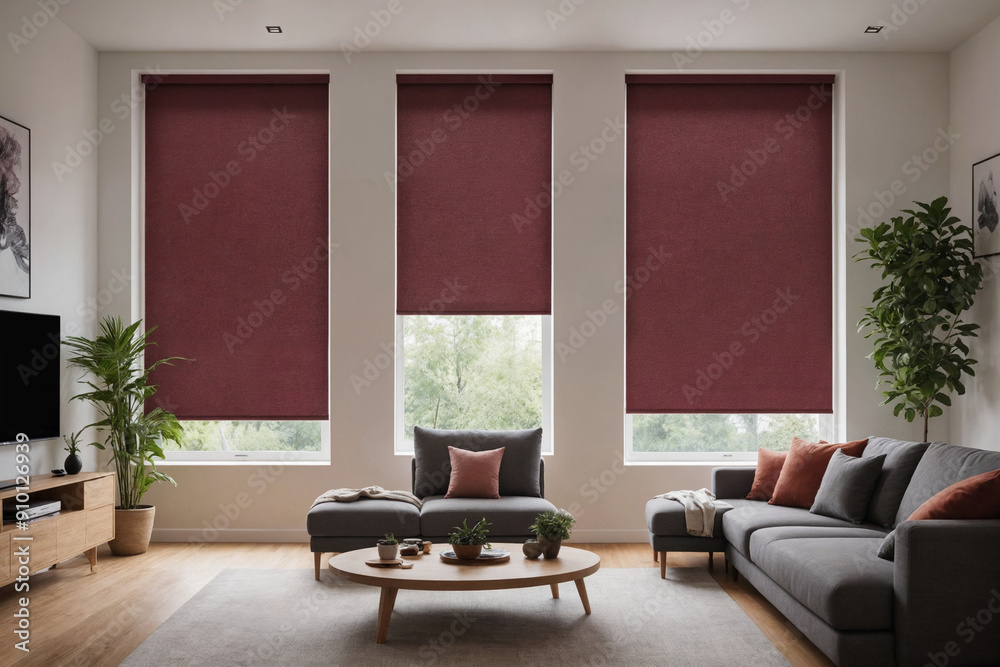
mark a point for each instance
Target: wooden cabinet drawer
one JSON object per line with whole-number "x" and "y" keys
{"x": 72, "y": 538}
{"x": 100, "y": 525}
{"x": 42, "y": 546}
{"x": 5, "y": 569}
{"x": 99, "y": 492}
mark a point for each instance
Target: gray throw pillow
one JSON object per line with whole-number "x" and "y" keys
{"x": 519, "y": 468}
{"x": 901, "y": 459}
{"x": 847, "y": 487}
{"x": 887, "y": 549}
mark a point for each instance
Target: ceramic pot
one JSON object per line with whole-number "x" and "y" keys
{"x": 550, "y": 547}
{"x": 388, "y": 551}
{"x": 133, "y": 528}
{"x": 468, "y": 551}
{"x": 532, "y": 549}
{"x": 73, "y": 464}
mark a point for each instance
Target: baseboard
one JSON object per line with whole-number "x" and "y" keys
{"x": 295, "y": 535}
{"x": 208, "y": 535}
{"x": 609, "y": 536}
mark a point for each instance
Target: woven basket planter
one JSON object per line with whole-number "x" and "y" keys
{"x": 133, "y": 528}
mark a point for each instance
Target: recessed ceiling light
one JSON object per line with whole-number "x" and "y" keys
{"x": 872, "y": 29}
{"x": 274, "y": 29}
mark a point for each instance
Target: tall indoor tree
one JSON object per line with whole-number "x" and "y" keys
{"x": 931, "y": 278}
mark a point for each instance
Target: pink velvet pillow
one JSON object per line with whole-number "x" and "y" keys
{"x": 802, "y": 473}
{"x": 474, "y": 474}
{"x": 769, "y": 465}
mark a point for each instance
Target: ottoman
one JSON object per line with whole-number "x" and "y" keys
{"x": 338, "y": 527}
{"x": 668, "y": 531}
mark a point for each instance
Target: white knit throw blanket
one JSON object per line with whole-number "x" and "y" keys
{"x": 699, "y": 510}
{"x": 374, "y": 492}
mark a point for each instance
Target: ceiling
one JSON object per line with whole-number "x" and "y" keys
{"x": 525, "y": 25}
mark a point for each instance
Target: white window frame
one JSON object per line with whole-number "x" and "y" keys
{"x": 832, "y": 427}
{"x": 138, "y": 128}
{"x": 403, "y": 446}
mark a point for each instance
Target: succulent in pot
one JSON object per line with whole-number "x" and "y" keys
{"x": 388, "y": 547}
{"x": 550, "y": 529}
{"x": 469, "y": 541}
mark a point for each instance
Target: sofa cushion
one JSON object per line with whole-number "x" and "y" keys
{"x": 977, "y": 497}
{"x": 749, "y": 516}
{"x": 847, "y": 487}
{"x": 519, "y": 469}
{"x": 364, "y": 517}
{"x": 766, "y": 475}
{"x": 762, "y": 539}
{"x": 666, "y": 517}
{"x": 840, "y": 579}
{"x": 901, "y": 459}
{"x": 941, "y": 466}
{"x": 509, "y": 516}
{"x": 474, "y": 474}
{"x": 803, "y": 471}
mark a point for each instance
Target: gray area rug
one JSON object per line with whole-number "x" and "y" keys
{"x": 285, "y": 617}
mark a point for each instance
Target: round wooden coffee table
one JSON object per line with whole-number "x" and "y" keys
{"x": 429, "y": 573}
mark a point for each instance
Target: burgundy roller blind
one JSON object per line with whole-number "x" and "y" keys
{"x": 729, "y": 298}
{"x": 236, "y": 244}
{"x": 473, "y": 183}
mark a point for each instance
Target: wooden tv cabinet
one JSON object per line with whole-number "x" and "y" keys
{"x": 86, "y": 521}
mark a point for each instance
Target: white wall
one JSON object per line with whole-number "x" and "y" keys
{"x": 975, "y": 96}
{"x": 894, "y": 106}
{"x": 49, "y": 85}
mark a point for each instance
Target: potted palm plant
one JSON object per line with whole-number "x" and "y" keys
{"x": 118, "y": 387}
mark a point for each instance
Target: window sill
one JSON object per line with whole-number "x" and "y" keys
{"x": 167, "y": 463}
{"x": 723, "y": 463}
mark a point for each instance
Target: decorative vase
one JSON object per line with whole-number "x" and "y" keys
{"x": 133, "y": 528}
{"x": 550, "y": 547}
{"x": 532, "y": 549}
{"x": 73, "y": 464}
{"x": 388, "y": 551}
{"x": 468, "y": 551}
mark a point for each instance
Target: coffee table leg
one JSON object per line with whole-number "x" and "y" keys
{"x": 555, "y": 590}
{"x": 385, "y": 604}
{"x": 582, "y": 590}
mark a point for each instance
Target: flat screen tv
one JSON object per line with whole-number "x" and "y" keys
{"x": 29, "y": 376}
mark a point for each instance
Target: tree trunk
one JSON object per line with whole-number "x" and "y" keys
{"x": 926, "y": 417}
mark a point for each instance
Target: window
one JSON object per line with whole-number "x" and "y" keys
{"x": 473, "y": 372}
{"x": 730, "y": 311}
{"x": 473, "y": 253}
{"x": 235, "y": 256}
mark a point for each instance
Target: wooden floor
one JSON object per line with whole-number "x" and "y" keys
{"x": 77, "y": 618}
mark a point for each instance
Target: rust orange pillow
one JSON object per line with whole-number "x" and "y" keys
{"x": 769, "y": 466}
{"x": 977, "y": 497}
{"x": 802, "y": 473}
{"x": 474, "y": 474}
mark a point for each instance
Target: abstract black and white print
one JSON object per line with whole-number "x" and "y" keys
{"x": 15, "y": 209}
{"x": 985, "y": 217}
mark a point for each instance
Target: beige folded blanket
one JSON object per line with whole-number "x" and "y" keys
{"x": 699, "y": 510}
{"x": 374, "y": 492}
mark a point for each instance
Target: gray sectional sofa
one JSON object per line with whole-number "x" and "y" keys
{"x": 937, "y": 603}
{"x": 338, "y": 527}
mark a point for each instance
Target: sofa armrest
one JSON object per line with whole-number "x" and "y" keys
{"x": 947, "y": 589}
{"x": 732, "y": 482}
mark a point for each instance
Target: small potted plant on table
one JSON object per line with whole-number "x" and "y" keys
{"x": 73, "y": 464}
{"x": 469, "y": 542}
{"x": 388, "y": 547}
{"x": 550, "y": 529}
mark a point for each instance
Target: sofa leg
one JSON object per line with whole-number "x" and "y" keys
{"x": 663, "y": 565}
{"x": 727, "y": 564}
{"x": 736, "y": 574}
{"x": 711, "y": 560}
{"x": 656, "y": 555}
{"x": 317, "y": 558}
